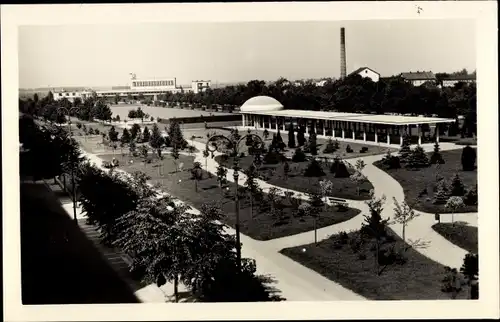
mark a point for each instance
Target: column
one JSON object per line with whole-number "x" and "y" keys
{"x": 276, "y": 124}
{"x": 333, "y": 128}
{"x": 419, "y": 135}
{"x": 376, "y": 136}
{"x": 353, "y": 126}
{"x": 284, "y": 124}
{"x": 401, "y": 136}
{"x": 388, "y": 138}
{"x": 323, "y": 123}
{"x": 307, "y": 126}
{"x": 364, "y": 134}
{"x": 243, "y": 119}
{"x": 343, "y": 131}
{"x": 437, "y": 133}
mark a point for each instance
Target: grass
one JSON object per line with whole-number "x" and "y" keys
{"x": 415, "y": 182}
{"x": 59, "y": 265}
{"x": 260, "y": 226}
{"x": 162, "y": 112}
{"x": 418, "y": 279}
{"x": 274, "y": 174}
{"x": 460, "y": 234}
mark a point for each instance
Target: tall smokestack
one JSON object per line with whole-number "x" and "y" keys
{"x": 342, "y": 53}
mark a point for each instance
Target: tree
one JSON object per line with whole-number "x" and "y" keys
{"x": 442, "y": 193}
{"x": 436, "y": 157}
{"x": 468, "y": 158}
{"x": 132, "y": 114}
{"x": 101, "y": 111}
{"x": 299, "y": 155}
{"x": 454, "y": 204}
{"x": 144, "y": 152}
{"x": 113, "y": 134}
{"x": 157, "y": 233}
{"x": 266, "y": 134}
{"x": 339, "y": 168}
{"x": 314, "y": 169}
{"x": 313, "y": 146}
{"x": 134, "y": 131}
{"x": 457, "y": 186}
{"x": 403, "y": 214}
{"x": 125, "y": 138}
{"x": 417, "y": 159}
{"x": 251, "y": 185}
{"x": 205, "y": 155}
{"x": 175, "y": 134}
{"x": 470, "y": 269}
{"x": 326, "y": 187}
{"x": 156, "y": 140}
{"x": 374, "y": 226}
{"x": 358, "y": 178}
{"x": 286, "y": 169}
{"x": 117, "y": 99}
{"x": 360, "y": 165}
{"x": 280, "y": 145}
{"x": 301, "y": 140}
{"x": 329, "y": 147}
{"x": 132, "y": 147}
{"x": 470, "y": 198}
{"x": 221, "y": 174}
{"x": 175, "y": 155}
{"x": 405, "y": 151}
{"x": 145, "y": 134}
{"x": 291, "y": 136}
{"x": 196, "y": 174}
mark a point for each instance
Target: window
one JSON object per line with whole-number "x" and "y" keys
{"x": 74, "y": 94}
{"x": 134, "y": 84}
{"x": 67, "y": 94}
{"x": 60, "y": 94}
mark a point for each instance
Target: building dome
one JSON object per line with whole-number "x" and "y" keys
{"x": 261, "y": 103}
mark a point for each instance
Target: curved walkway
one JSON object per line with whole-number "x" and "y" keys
{"x": 294, "y": 281}
{"x": 420, "y": 229}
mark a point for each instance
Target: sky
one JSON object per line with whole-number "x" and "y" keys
{"x": 104, "y": 55}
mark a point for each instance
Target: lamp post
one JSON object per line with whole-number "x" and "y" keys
{"x": 233, "y": 144}
{"x": 73, "y": 190}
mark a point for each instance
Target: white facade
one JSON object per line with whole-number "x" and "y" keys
{"x": 70, "y": 96}
{"x": 368, "y": 73}
{"x": 162, "y": 84}
{"x": 198, "y": 86}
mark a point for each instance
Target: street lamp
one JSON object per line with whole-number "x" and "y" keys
{"x": 73, "y": 190}
{"x": 234, "y": 146}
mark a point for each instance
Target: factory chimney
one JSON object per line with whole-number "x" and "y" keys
{"x": 342, "y": 54}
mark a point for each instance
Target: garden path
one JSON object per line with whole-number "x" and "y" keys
{"x": 420, "y": 229}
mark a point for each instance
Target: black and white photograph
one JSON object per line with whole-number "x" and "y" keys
{"x": 250, "y": 161}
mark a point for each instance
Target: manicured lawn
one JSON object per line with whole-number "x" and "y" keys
{"x": 274, "y": 174}
{"x": 261, "y": 226}
{"x": 415, "y": 182}
{"x": 460, "y": 234}
{"x": 417, "y": 279}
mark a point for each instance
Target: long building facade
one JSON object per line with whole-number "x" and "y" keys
{"x": 263, "y": 112}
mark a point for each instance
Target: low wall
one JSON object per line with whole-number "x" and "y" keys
{"x": 203, "y": 119}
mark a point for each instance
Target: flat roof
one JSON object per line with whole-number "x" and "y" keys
{"x": 354, "y": 117}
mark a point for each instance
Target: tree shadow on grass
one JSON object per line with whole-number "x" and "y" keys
{"x": 274, "y": 293}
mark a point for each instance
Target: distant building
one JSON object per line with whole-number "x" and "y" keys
{"x": 156, "y": 84}
{"x": 366, "y": 72}
{"x": 418, "y": 78}
{"x": 69, "y": 95}
{"x": 198, "y": 86}
{"x": 451, "y": 80}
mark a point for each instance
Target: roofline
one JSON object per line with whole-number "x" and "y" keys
{"x": 348, "y": 118}
{"x": 356, "y": 70}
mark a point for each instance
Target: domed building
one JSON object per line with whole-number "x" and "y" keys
{"x": 265, "y": 112}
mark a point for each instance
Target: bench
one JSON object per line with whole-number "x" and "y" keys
{"x": 338, "y": 202}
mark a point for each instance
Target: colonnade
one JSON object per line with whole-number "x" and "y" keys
{"x": 341, "y": 129}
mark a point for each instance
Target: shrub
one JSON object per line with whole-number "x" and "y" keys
{"x": 363, "y": 149}
{"x": 314, "y": 169}
{"x": 301, "y": 140}
{"x": 436, "y": 157}
{"x": 457, "y": 186}
{"x": 468, "y": 158}
{"x": 299, "y": 155}
{"x": 442, "y": 193}
{"x": 348, "y": 149}
{"x": 417, "y": 159}
{"x": 362, "y": 256}
{"x": 330, "y": 147}
{"x": 405, "y": 150}
{"x": 470, "y": 198}
{"x": 343, "y": 237}
{"x": 390, "y": 161}
{"x": 339, "y": 168}
{"x": 273, "y": 157}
